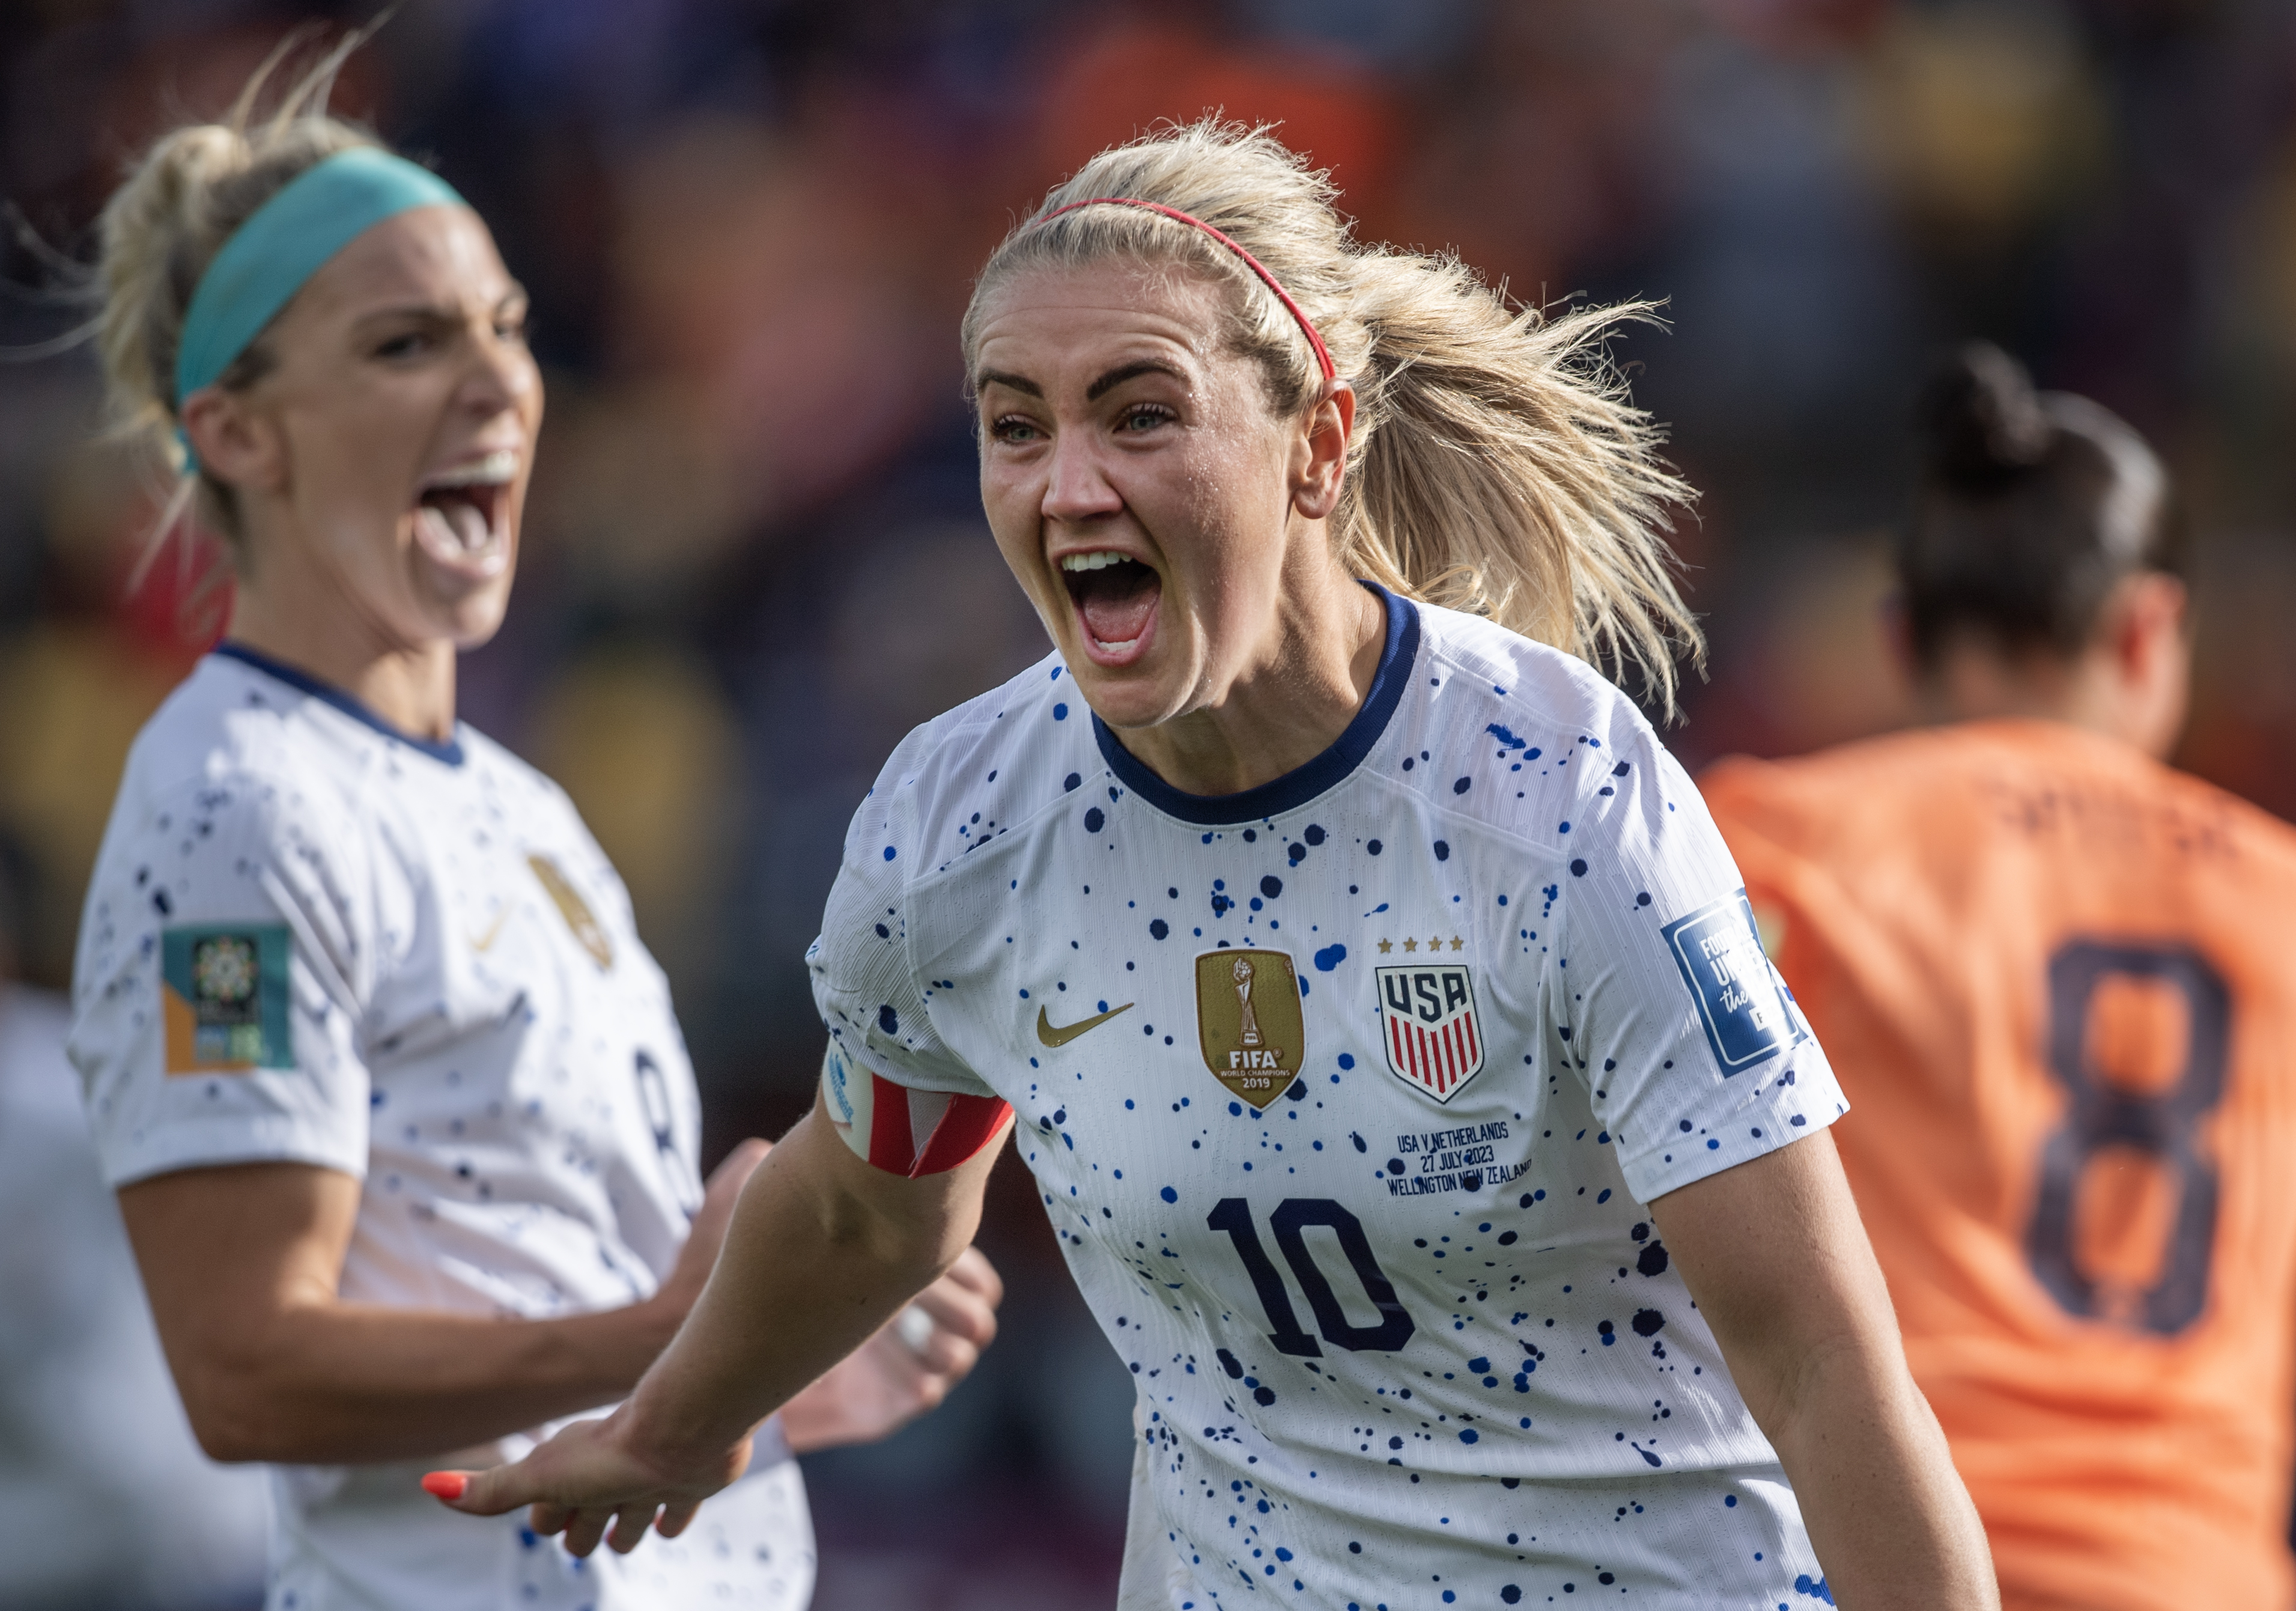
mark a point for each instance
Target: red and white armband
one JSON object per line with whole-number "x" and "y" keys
{"x": 906, "y": 1131}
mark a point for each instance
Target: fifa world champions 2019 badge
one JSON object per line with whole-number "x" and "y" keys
{"x": 223, "y": 997}
{"x": 1431, "y": 1036}
{"x": 587, "y": 930}
{"x": 1248, "y": 1020}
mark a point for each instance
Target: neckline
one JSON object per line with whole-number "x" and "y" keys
{"x": 449, "y": 753}
{"x": 1303, "y": 783}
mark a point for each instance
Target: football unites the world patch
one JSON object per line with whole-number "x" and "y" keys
{"x": 1429, "y": 1030}
{"x": 1719, "y": 950}
{"x": 1249, "y": 1022}
{"x": 223, "y": 997}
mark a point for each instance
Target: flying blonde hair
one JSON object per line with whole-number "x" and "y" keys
{"x": 181, "y": 201}
{"x": 1496, "y": 465}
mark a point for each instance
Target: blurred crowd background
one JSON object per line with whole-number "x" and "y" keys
{"x": 755, "y": 556}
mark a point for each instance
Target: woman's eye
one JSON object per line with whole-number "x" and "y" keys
{"x": 402, "y": 347}
{"x": 1012, "y": 429}
{"x": 1145, "y": 418}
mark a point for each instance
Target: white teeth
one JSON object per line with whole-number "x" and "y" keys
{"x": 495, "y": 469}
{"x": 1123, "y": 648}
{"x": 1100, "y": 561}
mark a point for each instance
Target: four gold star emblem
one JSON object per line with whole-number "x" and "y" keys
{"x": 1435, "y": 943}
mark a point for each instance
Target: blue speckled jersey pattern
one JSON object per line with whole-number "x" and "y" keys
{"x": 1389, "y": 1056}
{"x": 470, "y": 1026}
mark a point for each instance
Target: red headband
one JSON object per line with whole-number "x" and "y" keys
{"x": 1323, "y": 354}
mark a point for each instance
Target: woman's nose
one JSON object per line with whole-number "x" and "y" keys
{"x": 1077, "y": 487}
{"x": 502, "y": 377}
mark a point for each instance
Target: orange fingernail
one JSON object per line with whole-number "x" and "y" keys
{"x": 445, "y": 1484}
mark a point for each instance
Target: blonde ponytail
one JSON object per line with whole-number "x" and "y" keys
{"x": 164, "y": 226}
{"x": 1498, "y": 465}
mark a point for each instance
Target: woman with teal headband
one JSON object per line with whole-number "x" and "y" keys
{"x": 402, "y": 1125}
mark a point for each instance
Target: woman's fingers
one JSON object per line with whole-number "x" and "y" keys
{"x": 948, "y": 1357}
{"x": 960, "y": 1309}
{"x": 584, "y": 1486}
{"x": 492, "y": 1493}
{"x": 973, "y": 1270}
{"x": 583, "y": 1529}
{"x": 676, "y": 1517}
{"x": 629, "y": 1529}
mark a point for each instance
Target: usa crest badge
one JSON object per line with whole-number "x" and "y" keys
{"x": 1430, "y": 1031}
{"x": 1249, "y": 1021}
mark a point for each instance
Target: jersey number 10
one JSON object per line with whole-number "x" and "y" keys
{"x": 2164, "y": 1123}
{"x": 1232, "y": 1214}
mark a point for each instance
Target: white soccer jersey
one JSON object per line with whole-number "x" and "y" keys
{"x": 1345, "y": 1095}
{"x": 311, "y": 939}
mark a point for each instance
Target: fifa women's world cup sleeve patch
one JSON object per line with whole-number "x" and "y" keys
{"x": 223, "y": 997}
{"x": 904, "y": 1131}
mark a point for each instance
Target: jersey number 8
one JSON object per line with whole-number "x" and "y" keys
{"x": 2164, "y": 1125}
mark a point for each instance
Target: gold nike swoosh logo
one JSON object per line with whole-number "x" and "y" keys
{"x": 488, "y": 943}
{"x": 1053, "y": 1036}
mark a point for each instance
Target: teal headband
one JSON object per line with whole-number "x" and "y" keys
{"x": 289, "y": 239}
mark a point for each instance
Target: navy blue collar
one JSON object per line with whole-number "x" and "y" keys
{"x": 1302, "y": 784}
{"x": 303, "y": 681}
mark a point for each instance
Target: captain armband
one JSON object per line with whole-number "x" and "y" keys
{"x": 904, "y": 1131}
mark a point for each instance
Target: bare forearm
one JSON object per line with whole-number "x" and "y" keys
{"x": 1777, "y": 1262}
{"x": 335, "y": 1383}
{"x": 1869, "y": 1464}
{"x": 807, "y": 1272}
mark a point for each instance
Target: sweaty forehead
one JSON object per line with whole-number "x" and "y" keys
{"x": 1063, "y": 318}
{"x": 427, "y": 256}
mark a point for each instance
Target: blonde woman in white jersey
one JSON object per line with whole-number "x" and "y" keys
{"x": 1386, "y": 1026}
{"x": 403, "y": 1128}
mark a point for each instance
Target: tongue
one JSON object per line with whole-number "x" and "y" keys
{"x": 466, "y": 527}
{"x": 1118, "y": 610}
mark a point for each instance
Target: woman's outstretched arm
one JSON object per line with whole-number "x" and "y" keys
{"x": 823, "y": 1248}
{"x": 242, "y": 1262}
{"x": 1776, "y": 1256}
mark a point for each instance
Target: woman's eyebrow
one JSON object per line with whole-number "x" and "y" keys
{"x": 1010, "y": 382}
{"x": 430, "y": 312}
{"x": 435, "y": 312}
{"x": 1117, "y": 377}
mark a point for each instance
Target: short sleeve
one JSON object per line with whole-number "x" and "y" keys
{"x": 1661, "y": 998}
{"x": 876, "y": 1009}
{"x": 218, "y": 988}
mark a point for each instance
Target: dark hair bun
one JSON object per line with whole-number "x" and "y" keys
{"x": 1980, "y": 420}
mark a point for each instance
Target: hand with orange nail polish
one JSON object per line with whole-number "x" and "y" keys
{"x": 587, "y": 1483}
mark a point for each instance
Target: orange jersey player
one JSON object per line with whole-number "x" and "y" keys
{"x": 2057, "y": 980}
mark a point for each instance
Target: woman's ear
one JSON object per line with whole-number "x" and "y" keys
{"x": 235, "y": 445}
{"x": 1331, "y": 423}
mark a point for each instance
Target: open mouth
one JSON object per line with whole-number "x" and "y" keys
{"x": 1116, "y": 597}
{"x": 462, "y": 515}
